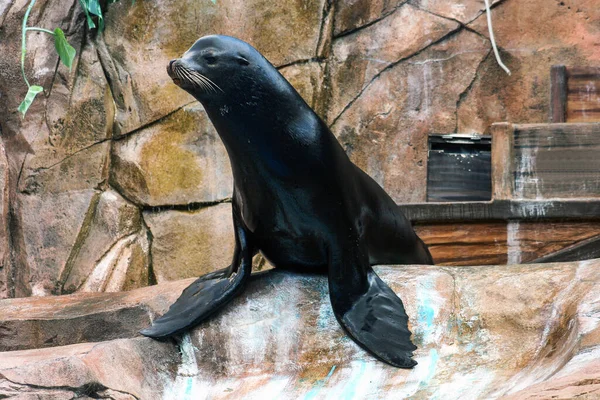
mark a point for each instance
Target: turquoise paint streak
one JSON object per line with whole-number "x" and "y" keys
{"x": 350, "y": 388}
{"x": 318, "y": 386}
{"x": 425, "y": 312}
{"x": 188, "y": 388}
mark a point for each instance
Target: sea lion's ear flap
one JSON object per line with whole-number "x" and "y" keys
{"x": 367, "y": 308}
{"x": 242, "y": 60}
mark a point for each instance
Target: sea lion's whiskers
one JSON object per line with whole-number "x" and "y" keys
{"x": 202, "y": 78}
{"x": 199, "y": 80}
{"x": 207, "y": 79}
{"x": 215, "y": 85}
{"x": 191, "y": 78}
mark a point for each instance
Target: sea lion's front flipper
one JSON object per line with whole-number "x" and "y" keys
{"x": 208, "y": 293}
{"x": 368, "y": 309}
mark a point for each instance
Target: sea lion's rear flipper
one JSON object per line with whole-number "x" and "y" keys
{"x": 207, "y": 294}
{"x": 369, "y": 310}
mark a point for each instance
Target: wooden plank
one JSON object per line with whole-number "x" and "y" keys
{"x": 583, "y": 94}
{"x": 528, "y": 241}
{"x": 512, "y": 242}
{"x": 532, "y": 210}
{"x": 584, "y": 250}
{"x": 558, "y": 93}
{"x": 465, "y": 243}
{"x": 557, "y": 161}
{"x": 502, "y": 161}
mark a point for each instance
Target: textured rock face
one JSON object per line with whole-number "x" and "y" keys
{"x": 36, "y": 322}
{"x": 522, "y": 331}
{"x": 178, "y": 160}
{"x": 385, "y": 129}
{"x": 382, "y": 73}
{"x": 188, "y": 244}
{"x": 359, "y": 57}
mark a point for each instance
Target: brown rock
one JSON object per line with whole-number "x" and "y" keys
{"x": 306, "y": 79}
{"x": 4, "y": 239}
{"x": 353, "y": 14}
{"x": 51, "y": 225}
{"x": 178, "y": 160}
{"x": 482, "y": 332}
{"x": 359, "y": 57}
{"x": 125, "y": 369}
{"x": 126, "y": 266}
{"x": 36, "y": 322}
{"x": 139, "y": 45}
{"x": 80, "y": 110}
{"x": 464, "y": 11}
{"x": 111, "y": 240}
{"x": 190, "y": 244}
{"x": 529, "y": 48}
{"x": 577, "y": 380}
{"x": 54, "y": 201}
{"x": 385, "y": 130}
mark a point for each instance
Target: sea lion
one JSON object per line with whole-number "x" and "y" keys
{"x": 297, "y": 198}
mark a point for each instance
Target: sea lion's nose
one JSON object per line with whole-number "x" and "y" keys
{"x": 170, "y": 66}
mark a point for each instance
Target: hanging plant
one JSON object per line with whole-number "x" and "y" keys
{"x": 65, "y": 51}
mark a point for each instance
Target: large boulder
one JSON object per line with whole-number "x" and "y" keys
{"x": 526, "y": 331}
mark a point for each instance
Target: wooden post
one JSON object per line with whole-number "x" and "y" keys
{"x": 503, "y": 160}
{"x": 558, "y": 93}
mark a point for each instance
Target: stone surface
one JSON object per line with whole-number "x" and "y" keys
{"x": 112, "y": 226}
{"x": 5, "y": 278}
{"x": 357, "y": 58}
{"x": 464, "y": 11}
{"x": 190, "y": 244}
{"x": 353, "y": 14}
{"x": 568, "y": 36}
{"x": 137, "y": 70}
{"x": 307, "y": 79}
{"x": 61, "y": 216}
{"x": 528, "y": 331}
{"x": 124, "y": 369}
{"x": 36, "y": 322}
{"x": 385, "y": 130}
{"x": 178, "y": 160}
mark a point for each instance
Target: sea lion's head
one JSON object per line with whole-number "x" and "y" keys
{"x": 225, "y": 73}
{"x": 216, "y": 65}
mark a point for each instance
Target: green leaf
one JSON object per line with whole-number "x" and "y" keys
{"x": 93, "y": 7}
{"x": 214, "y": 1}
{"x": 29, "y": 97}
{"x": 90, "y": 22}
{"x": 65, "y": 51}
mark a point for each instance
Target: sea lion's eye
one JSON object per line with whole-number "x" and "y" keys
{"x": 242, "y": 60}
{"x": 210, "y": 59}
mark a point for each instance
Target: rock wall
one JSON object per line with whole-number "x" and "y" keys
{"x": 116, "y": 179}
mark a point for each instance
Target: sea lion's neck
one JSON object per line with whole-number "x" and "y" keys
{"x": 258, "y": 118}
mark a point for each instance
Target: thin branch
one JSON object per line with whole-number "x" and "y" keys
{"x": 24, "y": 41}
{"x": 491, "y": 30}
{"x": 33, "y": 28}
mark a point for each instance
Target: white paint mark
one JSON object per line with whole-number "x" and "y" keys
{"x": 186, "y": 386}
{"x": 513, "y": 243}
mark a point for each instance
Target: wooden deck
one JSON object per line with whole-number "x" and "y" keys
{"x": 545, "y": 201}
